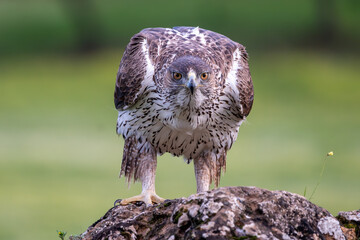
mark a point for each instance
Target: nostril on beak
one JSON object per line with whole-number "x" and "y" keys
{"x": 191, "y": 85}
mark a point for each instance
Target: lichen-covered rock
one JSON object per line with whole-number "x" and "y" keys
{"x": 224, "y": 213}
{"x": 350, "y": 224}
{"x": 353, "y": 216}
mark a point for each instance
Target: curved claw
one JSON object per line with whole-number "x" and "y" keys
{"x": 117, "y": 202}
{"x": 148, "y": 197}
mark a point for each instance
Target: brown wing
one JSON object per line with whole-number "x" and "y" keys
{"x": 135, "y": 67}
{"x": 244, "y": 82}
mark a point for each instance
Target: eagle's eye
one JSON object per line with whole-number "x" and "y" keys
{"x": 204, "y": 76}
{"x": 177, "y": 76}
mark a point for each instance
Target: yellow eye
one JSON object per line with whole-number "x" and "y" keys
{"x": 177, "y": 76}
{"x": 204, "y": 76}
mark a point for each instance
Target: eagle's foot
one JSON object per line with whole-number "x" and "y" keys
{"x": 148, "y": 197}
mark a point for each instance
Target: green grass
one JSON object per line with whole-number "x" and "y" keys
{"x": 60, "y": 156}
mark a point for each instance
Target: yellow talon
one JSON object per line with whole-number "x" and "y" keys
{"x": 148, "y": 197}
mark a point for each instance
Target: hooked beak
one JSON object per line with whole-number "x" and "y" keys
{"x": 191, "y": 84}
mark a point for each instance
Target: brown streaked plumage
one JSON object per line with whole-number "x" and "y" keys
{"x": 185, "y": 91}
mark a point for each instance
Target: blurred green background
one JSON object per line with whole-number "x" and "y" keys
{"x": 60, "y": 155}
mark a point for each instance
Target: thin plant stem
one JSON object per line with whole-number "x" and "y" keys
{"x": 320, "y": 177}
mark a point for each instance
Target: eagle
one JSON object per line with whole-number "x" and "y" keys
{"x": 181, "y": 90}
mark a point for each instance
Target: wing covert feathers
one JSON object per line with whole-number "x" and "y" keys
{"x": 133, "y": 70}
{"x": 244, "y": 82}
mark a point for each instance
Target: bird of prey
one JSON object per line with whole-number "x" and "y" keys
{"x": 181, "y": 90}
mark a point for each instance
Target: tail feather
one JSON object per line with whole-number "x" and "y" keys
{"x": 218, "y": 167}
{"x": 216, "y": 164}
{"x": 136, "y": 157}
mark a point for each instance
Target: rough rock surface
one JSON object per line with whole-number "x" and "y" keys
{"x": 350, "y": 224}
{"x": 224, "y": 213}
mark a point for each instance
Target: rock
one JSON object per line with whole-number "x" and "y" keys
{"x": 350, "y": 224}
{"x": 353, "y": 216}
{"x": 331, "y": 227}
{"x": 223, "y": 213}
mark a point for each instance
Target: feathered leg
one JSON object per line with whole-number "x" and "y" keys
{"x": 208, "y": 166}
{"x": 202, "y": 174}
{"x": 139, "y": 163}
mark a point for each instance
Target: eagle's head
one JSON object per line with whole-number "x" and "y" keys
{"x": 191, "y": 78}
